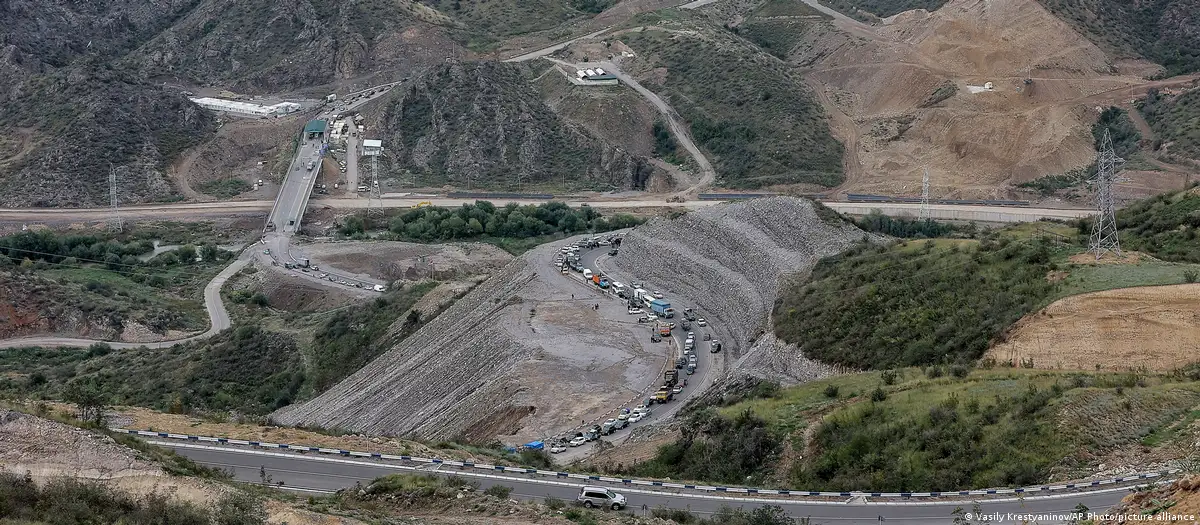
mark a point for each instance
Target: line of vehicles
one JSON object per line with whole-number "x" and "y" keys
{"x": 306, "y": 266}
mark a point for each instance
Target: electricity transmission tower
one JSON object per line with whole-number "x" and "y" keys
{"x": 925, "y": 196}
{"x": 115, "y": 220}
{"x": 1104, "y": 230}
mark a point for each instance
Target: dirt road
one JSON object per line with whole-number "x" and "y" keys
{"x": 707, "y": 174}
{"x": 218, "y": 319}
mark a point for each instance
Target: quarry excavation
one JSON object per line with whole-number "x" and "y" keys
{"x": 531, "y": 353}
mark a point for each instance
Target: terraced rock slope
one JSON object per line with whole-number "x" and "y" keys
{"x": 729, "y": 261}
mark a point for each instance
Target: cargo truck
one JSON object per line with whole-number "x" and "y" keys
{"x": 662, "y": 308}
{"x": 671, "y": 377}
{"x": 641, "y": 294}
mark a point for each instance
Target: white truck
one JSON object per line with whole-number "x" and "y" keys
{"x": 587, "y": 274}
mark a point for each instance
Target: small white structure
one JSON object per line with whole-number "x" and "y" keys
{"x": 599, "y": 71}
{"x": 246, "y": 108}
{"x": 590, "y": 72}
{"x": 987, "y": 85}
{"x": 372, "y": 147}
{"x": 580, "y": 73}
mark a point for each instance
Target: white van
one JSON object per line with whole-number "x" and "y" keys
{"x": 587, "y": 274}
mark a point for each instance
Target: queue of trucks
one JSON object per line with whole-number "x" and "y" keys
{"x": 657, "y": 307}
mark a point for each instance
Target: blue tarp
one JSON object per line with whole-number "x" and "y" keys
{"x": 536, "y": 445}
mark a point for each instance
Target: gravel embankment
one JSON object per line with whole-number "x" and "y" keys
{"x": 728, "y": 260}
{"x": 458, "y": 364}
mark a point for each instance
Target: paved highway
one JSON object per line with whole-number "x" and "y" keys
{"x": 312, "y": 473}
{"x": 194, "y": 209}
{"x": 218, "y": 319}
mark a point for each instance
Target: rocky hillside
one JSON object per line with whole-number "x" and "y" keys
{"x": 263, "y": 46}
{"x": 482, "y": 124}
{"x": 69, "y": 115}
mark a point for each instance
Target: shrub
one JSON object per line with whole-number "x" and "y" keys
{"x": 555, "y": 503}
{"x": 499, "y": 491}
{"x": 676, "y": 515}
{"x": 878, "y": 395}
{"x": 1190, "y": 276}
{"x": 831, "y": 391}
{"x": 960, "y": 371}
{"x": 888, "y": 377}
{"x": 933, "y": 372}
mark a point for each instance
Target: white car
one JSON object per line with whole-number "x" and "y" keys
{"x": 622, "y": 416}
{"x": 701, "y": 322}
{"x": 579, "y": 440}
{"x": 635, "y": 311}
{"x": 677, "y": 390}
{"x": 651, "y": 317}
{"x": 557, "y": 449}
{"x": 657, "y": 294}
{"x": 642, "y": 409}
{"x": 635, "y": 417}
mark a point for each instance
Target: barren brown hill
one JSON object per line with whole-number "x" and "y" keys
{"x": 1154, "y": 327}
{"x": 911, "y": 93}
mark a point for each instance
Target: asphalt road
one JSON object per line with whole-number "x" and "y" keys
{"x": 218, "y": 319}
{"x": 197, "y": 209}
{"x": 312, "y": 473}
{"x": 352, "y": 159}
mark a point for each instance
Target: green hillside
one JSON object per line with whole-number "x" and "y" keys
{"x": 1163, "y": 31}
{"x": 759, "y": 122}
{"x": 482, "y": 125}
{"x": 1175, "y": 120}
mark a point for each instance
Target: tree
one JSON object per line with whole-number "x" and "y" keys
{"x": 186, "y": 253}
{"x": 89, "y": 401}
{"x": 210, "y": 253}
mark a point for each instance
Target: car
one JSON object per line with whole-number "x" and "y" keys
{"x": 691, "y": 335}
{"x": 651, "y": 317}
{"x": 635, "y": 311}
{"x": 557, "y": 449}
{"x": 579, "y": 440}
{"x": 635, "y": 417}
{"x": 322, "y": 276}
{"x": 677, "y": 390}
{"x": 379, "y": 288}
{"x": 622, "y": 416}
{"x": 700, "y": 321}
{"x": 657, "y": 294}
{"x": 332, "y": 279}
{"x": 636, "y": 284}
{"x": 644, "y": 410}
{"x": 600, "y": 497}
{"x": 644, "y": 319}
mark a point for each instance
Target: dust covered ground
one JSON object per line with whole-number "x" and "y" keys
{"x": 392, "y": 260}
{"x": 517, "y": 358}
{"x": 1153, "y": 327}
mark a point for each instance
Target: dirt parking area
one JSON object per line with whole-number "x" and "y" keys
{"x": 391, "y": 261}
{"x": 1153, "y": 327}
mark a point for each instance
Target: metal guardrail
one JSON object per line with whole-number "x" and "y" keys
{"x": 861, "y": 197}
{"x": 491, "y": 195}
{"x": 1036, "y": 489}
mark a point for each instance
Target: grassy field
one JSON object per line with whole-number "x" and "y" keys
{"x": 759, "y": 124}
{"x": 941, "y": 428}
{"x": 946, "y": 300}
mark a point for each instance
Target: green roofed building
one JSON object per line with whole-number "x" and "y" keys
{"x": 315, "y": 129}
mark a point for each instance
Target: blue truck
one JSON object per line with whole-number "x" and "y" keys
{"x": 662, "y": 308}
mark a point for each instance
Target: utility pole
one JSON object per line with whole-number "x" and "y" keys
{"x": 925, "y": 196}
{"x": 115, "y": 220}
{"x": 1104, "y": 230}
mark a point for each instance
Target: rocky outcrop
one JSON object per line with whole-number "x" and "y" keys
{"x": 481, "y": 124}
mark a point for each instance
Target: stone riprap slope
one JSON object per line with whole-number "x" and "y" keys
{"x": 517, "y": 358}
{"x": 728, "y": 260}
